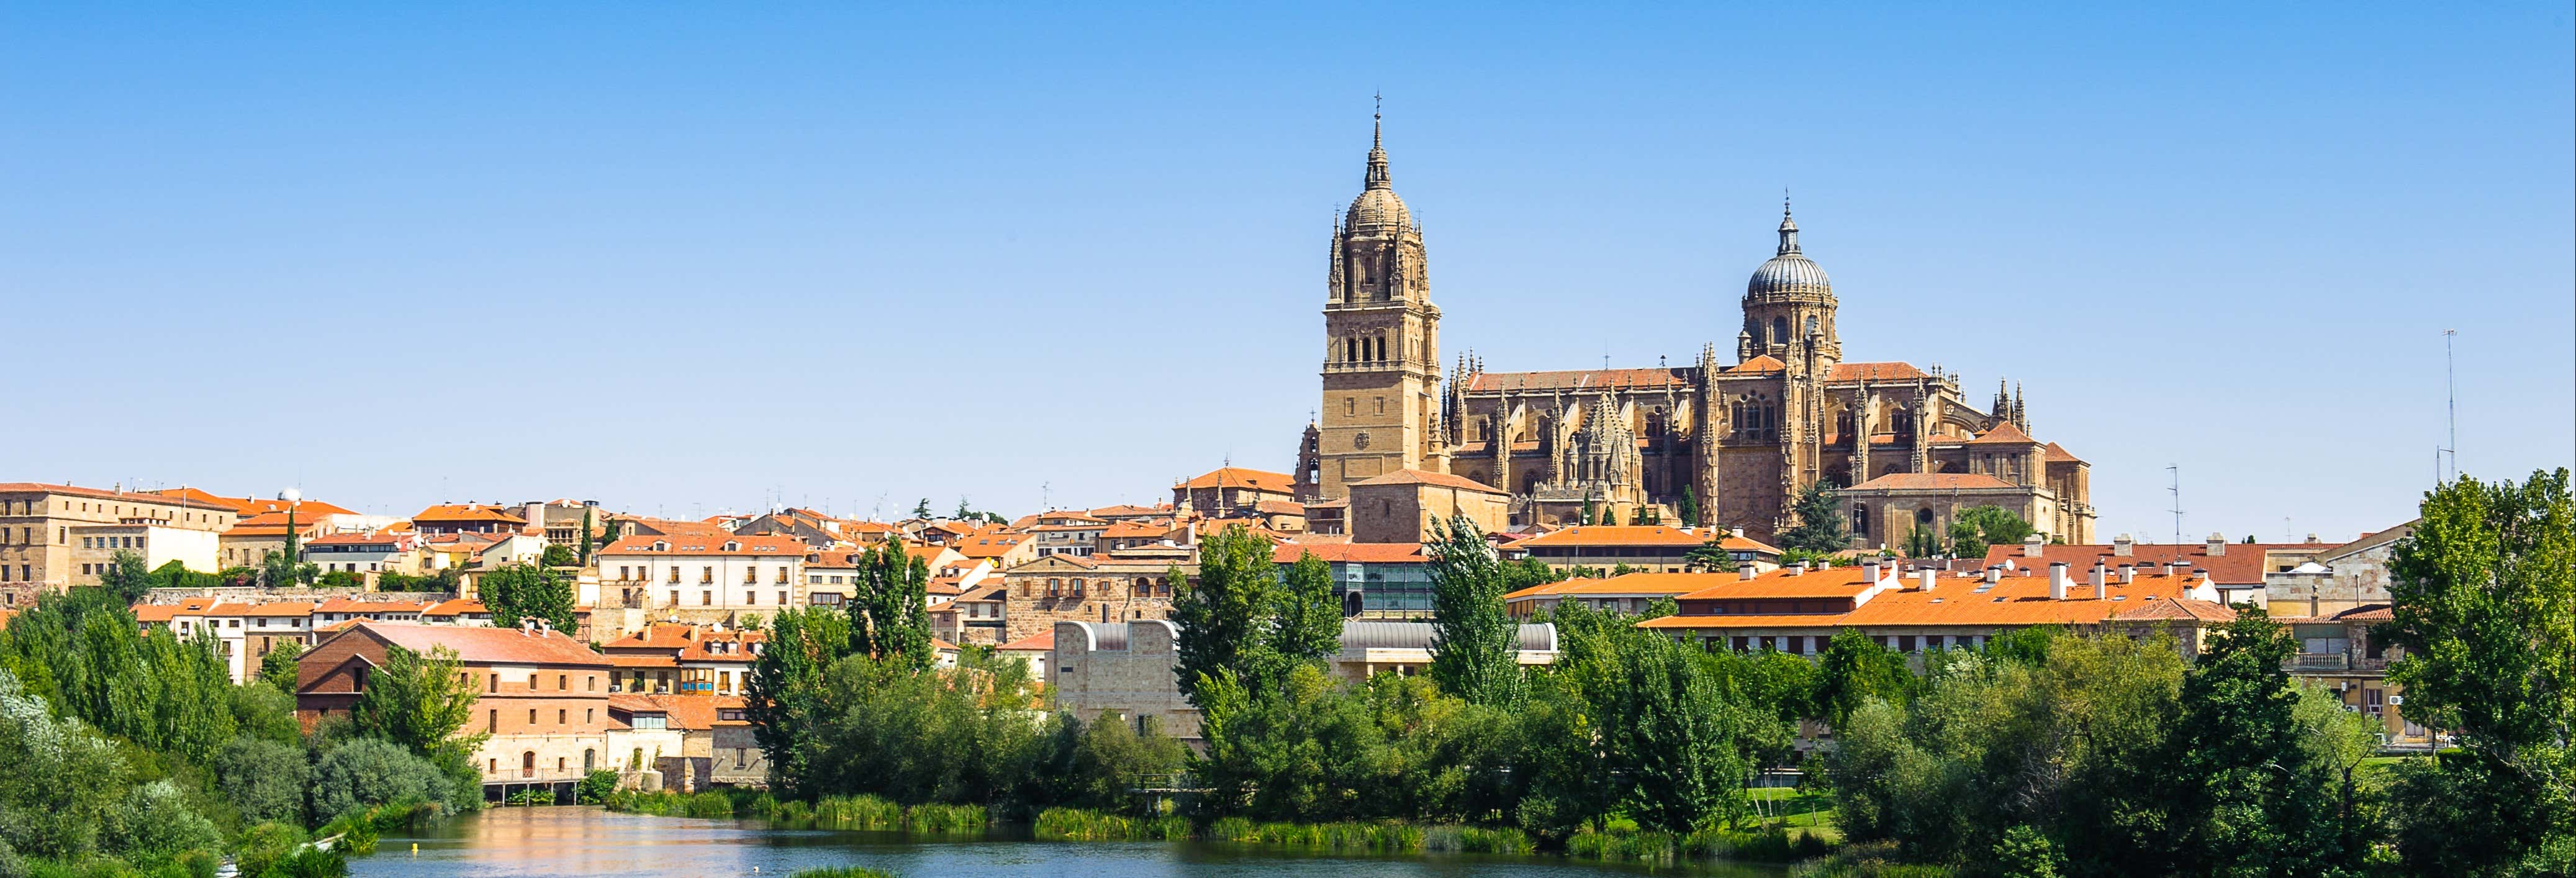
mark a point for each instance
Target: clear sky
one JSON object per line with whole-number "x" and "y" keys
{"x": 687, "y": 259}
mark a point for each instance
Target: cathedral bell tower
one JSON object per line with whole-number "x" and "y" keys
{"x": 1381, "y": 342}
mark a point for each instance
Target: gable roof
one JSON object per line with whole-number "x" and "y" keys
{"x": 1893, "y": 371}
{"x": 1578, "y": 379}
{"x": 1933, "y": 482}
{"x": 1239, "y": 477}
{"x": 1424, "y": 477}
{"x": 1615, "y": 535}
{"x": 2004, "y": 433}
{"x": 467, "y": 512}
{"x": 486, "y": 646}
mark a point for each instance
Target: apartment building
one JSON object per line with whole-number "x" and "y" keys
{"x": 38, "y": 544}
{"x": 703, "y": 578}
{"x": 542, "y": 696}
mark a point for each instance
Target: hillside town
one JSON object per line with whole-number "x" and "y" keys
{"x": 667, "y": 616}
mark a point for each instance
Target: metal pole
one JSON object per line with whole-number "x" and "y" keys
{"x": 2451, "y": 400}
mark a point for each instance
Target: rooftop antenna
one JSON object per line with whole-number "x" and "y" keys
{"x": 2176, "y": 470}
{"x": 1046, "y": 495}
{"x": 2451, "y": 405}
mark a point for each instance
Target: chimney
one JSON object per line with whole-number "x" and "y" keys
{"x": 2217, "y": 544}
{"x": 1869, "y": 572}
{"x": 1736, "y": 532}
{"x": 2032, "y": 546}
{"x": 1744, "y": 571}
{"x": 1994, "y": 574}
{"x": 2312, "y": 539}
{"x": 2128, "y": 573}
{"x": 2057, "y": 581}
{"x": 2124, "y": 546}
{"x": 1929, "y": 577}
{"x": 1802, "y": 568}
{"x": 2101, "y": 583}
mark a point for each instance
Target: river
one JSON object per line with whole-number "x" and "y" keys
{"x": 593, "y": 841}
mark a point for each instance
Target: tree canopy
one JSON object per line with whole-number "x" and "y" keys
{"x": 1819, "y": 510}
{"x": 529, "y": 591}
{"x": 1475, "y": 645}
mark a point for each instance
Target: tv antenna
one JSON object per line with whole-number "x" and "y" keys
{"x": 2176, "y": 470}
{"x": 2451, "y": 412}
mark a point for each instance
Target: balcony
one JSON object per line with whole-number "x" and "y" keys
{"x": 2333, "y": 661}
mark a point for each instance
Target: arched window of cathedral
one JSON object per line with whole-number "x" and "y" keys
{"x": 1780, "y": 330}
{"x": 1860, "y": 519}
{"x": 1923, "y": 518}
{"x": 1350, "y": 350}
{"x": 1811, "y": 324}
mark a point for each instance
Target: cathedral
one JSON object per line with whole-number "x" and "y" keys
{"x": 1738, "y": 437}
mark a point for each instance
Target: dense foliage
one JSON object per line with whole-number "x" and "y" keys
{"x": 1819, "y": 510}
{"x": 889, "y": 613}
{"x": 129, "y": 752}
{"x": 1978, "y": 527}
{"x": 518, "y": 592}
{"x": 2484, "y": 593}
{"x": 1475, "y": 645}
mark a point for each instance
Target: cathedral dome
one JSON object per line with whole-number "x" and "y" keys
{"x": 1790, "y": 272}
{"x": 1377, "y": 205}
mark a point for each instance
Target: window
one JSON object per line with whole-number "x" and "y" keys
{"x": 706, "y": 599}
{"x": 782, "y": 575}
{"x": 590, "y": 682}
{"x": 706, "y": 574}
{"x": 675, "y": 578}
{"x": 532, "y": 716}
{"x": 675, "y": 593}
{"x": 589, "y": 715}
{"x": 750, "y": 597}
{"x": 532, "y": 682}
{"x": 1351, "y": 406}
{"x": 751, "y": 576}
{"x": 1380, "y": 404}
{"x": 492, "y": 722}
{"x": 782, "y": 597}
{"x": 559, "y": 715}
{"x": 494, "y": 685}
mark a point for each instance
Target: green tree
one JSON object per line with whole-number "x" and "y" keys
{"x": 1224, "y": 613}
{"x": 1689, "y": 507}
{"x": 921, "y": 509}
{"x": 585, "y": 534}
{"x": 126, "y": 577}
{"x": 1475, "y": 645}
{"x": 517, "y": 592}
{"x": 419, "y": 702}
{"x": 280, "y": 570}
{"x": 278, "y": 668}
{"x": 890, "y": 616}
{"x": 1857, "y": 669}
{"x": 1588, "y": 511}
{"x": 1710, "y": 556}
{"x": 1672, "y": 735}
{"x": 2483, "y": 595}
{"x": 1819, "y": 508}
{"x": 964, "y": 512}
{"x": 1987, "y": 526}
{"x": 1966, "y": 541}
{"x": 1306, "y": 621}
{"x": 369, "y": 771}
{"x": 1610, "y": 517}
{"x": 2251, "y": 798}
{"x": 558, "y": 556}
{"x": 783, "y": 691}
{"x": 267, "y": 780}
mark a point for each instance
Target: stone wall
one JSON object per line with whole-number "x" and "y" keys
{"x": 257, "y": 595}
{"x": 1121, "y": 669}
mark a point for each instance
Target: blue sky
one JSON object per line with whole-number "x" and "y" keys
{"x": 681, "y": 260}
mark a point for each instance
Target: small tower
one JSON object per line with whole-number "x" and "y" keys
{"x": 1382, "y": 409}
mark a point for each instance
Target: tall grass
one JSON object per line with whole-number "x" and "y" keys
{"x": 841, "y": 872}
{"x": 1341, "y": 836}
{"x": 857, "y": 812}
{"x": 944, "y": 818}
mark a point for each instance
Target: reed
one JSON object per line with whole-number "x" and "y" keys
{"x": 857, "y": 812}
{"x": 945, "y": 818}
{"x": 842, "y": 872}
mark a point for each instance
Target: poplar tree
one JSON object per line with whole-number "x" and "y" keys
{"x": 1307, "y": 624}
{"x": 892, "y": 619}
{"x": 1224, "y": 614}
{"x": 1690, "y": 507}
{"x": 783, "y": 694}
{"x": 1474, "y": 643}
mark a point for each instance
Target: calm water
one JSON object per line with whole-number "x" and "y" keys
{"x": 591, "y": 841}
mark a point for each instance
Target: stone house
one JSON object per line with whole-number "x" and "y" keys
{"x": 1101, "y": 589}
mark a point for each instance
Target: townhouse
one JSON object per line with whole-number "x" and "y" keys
{"x": 724, "y": 579}
{"x": 541, "y": 700}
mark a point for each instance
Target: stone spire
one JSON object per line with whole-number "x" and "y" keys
{"x": 1377, "y": 178}
{"x": 1788, "y": 228}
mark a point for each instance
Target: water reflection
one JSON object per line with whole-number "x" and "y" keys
{"x": 591, "y": 841}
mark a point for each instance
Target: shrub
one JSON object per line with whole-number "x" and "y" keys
{"x": 367, "y": 772}
{"x": 842, "y": 872}
{"x": 595, "y": 787}
{"x": 154, "y": 822}
{"x": 264, "y": 846}
{"x": 857, "y": 812}
{"x": 709, "y": 804}
{"x": 1076, "y": 824}
{"x": 945, "y": 818}
{"x": 265, "y": 779}
{"x": 793, "y": 812}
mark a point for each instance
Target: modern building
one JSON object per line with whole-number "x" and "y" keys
{"x": 1604, "y": 548}
{"x": 1377, "y": 581}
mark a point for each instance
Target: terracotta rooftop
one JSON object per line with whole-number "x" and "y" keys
{"x": 1956, "y": 602}
{"x": 484, "y": 646}
{"x": 1577, "y": 379}
{"x": 1425, "y": 477}
{"x": 1615, "y": 535}
{"x": 1875, "y": 372}
{"x": 1673, "y": 584}
{"x": 1239, "y": 477}
{"x": 472, "y": 512}
{"x": 2003, "y": 434}
{"x": 708, "y": 544}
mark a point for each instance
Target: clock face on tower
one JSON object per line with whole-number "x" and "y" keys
{"x": 1360, "y": 441}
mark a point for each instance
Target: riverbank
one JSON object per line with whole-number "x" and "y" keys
{"x": 1799, "y": 831}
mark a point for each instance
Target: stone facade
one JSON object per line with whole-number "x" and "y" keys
{"x": 1122, "y": 669}
{"x": 1741, "y": 436}
{"x": 1408, "y": 506}
{"x": 37, "y": 541}
{"x": 1071, "y": 588}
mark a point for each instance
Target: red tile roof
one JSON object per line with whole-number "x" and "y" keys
{"x": 1673, "y": 584}
{"x": 1955, "y": 602}
{"x": 1763, "y": 363}
{"x": 472, "y": 512}
{"x": 1933, "y": 482}
{"x": 1615, "y": 535}
{"x": 484, "y": 646}
{"x": 706, "y": 544}
{"x": 1362, "y": 553}
{"x": 1875, "y": 372}
{"x": 2242, "y": 565}
{"x": 1239, "y": 477}
{"x": 2004, "y": 433}
{"x": 1039, "y": 642}
{"x": 1577, "y": 379}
